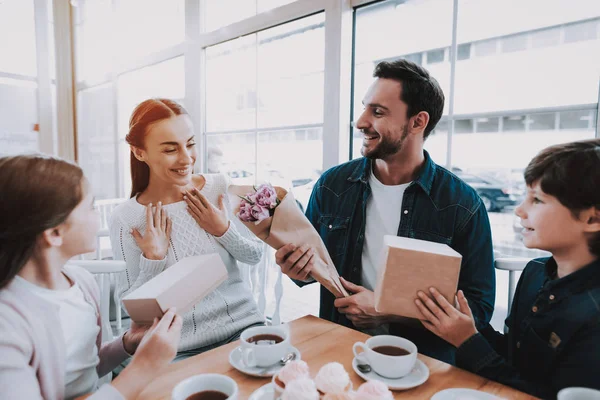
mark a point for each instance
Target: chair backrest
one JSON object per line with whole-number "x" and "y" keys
{"x": 102, "y": 270}
{"x": 105, "y": 208}
{"x": 512, "y": 265}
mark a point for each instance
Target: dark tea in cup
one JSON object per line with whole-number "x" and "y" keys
{"x": 208, "y": 395}
{"x": 264, "y": 339}
{"x": 391, "y": 350}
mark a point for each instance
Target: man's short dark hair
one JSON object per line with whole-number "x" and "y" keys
{"x": 571, "y": 173}
{"x": 420, "y": 91}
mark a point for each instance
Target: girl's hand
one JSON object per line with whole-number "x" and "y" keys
{"x": 155, "y": 351}
{"x": 210, "y": 218}
{"x": 155, "y": 241}
{"x": 453, "y": 325}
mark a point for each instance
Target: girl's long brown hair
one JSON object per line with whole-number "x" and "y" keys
{"x": 36, "y": 193}
{"x": 145, "y": 114}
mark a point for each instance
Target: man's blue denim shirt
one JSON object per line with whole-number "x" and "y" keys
{"x": 553, "y": 340}
{"x": 437, "y": 206}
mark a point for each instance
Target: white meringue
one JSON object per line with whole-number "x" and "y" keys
{"x": 332, "y": 378}
{"x": 301, "y": 389}
{"x": 293, "y": 370}
{"x": 374, "y": 390}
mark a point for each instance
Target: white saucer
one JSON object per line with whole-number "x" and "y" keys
{"x": 264, "y": 392}
{"x": 463, "y": 394}
{"x": 237, "y": 362}
{"x": 418, "y": 375}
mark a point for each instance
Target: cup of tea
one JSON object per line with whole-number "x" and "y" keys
{"x": 390, "y": 356}
{"x": 206, "y": 387}
{"x": 263, "y": 346}
{"x": 578, "y": 393}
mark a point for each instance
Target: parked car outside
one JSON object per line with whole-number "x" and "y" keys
{"x": 495, "y": 195}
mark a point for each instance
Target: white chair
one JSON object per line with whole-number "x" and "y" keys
{"x": 102, "y": 270}
{"x": 258, "y": 277}
{"x": 105, "y": 208}
{"x": 512, "y": 265}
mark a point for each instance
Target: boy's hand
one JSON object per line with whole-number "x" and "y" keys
{"x": 453, "y": 325}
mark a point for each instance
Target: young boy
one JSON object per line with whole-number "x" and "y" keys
{"x": 554, "y": 323}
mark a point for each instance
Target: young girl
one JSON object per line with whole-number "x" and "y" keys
{"x": 554, "y": 321}
{"x": 174, "y": 213}
{"x": 50, "y": 345}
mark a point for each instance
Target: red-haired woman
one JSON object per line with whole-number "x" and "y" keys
{"x": 174, "y": 213}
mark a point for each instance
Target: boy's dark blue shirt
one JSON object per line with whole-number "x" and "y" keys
{"x": 437, "y": 206}
{"x": 554, "y": 333}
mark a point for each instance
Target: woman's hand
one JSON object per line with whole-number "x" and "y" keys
{"x": 210, "y": 218}
{"x": 158, "y": 347}
{"x": 453, "y": 325}
{"x": 155, "y": 241}
{"x": 133, "y": 337}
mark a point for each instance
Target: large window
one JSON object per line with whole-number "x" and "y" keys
{"x": 17, "y": 37}
{"x": 264, "y": 121}
{"x": 539, "y": 89}
{"x": 264, "y": 105}
{"x": 521, "y": 84}
{"x": 524, "y": 80}
{"x": 376, "y": 25}
{"x": 219, "y": 13}
{"x": 94, "y": 42}
{"x": 111, "y": 81}
{"x": 18, "y": 78}
{"x": 97, "y": 150}
{"x": 163, "y": 80}
{"x": 253, "y": 75}
{"x": 147, "y": 26}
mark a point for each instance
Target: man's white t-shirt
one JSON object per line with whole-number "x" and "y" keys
{"x": 383, "y": 214}
{"x": 384, "y": 211}
{"x": 80, "y": 330}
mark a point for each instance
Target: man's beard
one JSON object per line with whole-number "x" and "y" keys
{"x": 386, "y": 146}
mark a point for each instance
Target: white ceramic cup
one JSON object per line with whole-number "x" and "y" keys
{"x": 578, "y": 393}
{"x": 387, "y": 366}
{"x": 264, "y": 355}
{"x": 200, "y": 383}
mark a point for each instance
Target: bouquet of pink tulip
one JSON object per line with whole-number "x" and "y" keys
{"x": 258, "y": 205}
{"x": 271, "y": 213}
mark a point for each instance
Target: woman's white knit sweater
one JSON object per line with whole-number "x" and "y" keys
{"x": 225, "y": 311}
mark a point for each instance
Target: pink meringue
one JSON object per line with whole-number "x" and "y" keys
{"x": 333, "y": 378}
{"x": 374, "y": 390}
{"x": 292, "y": 371}
{"x": 339, "y": 396}
{"x": 301, "y": 389}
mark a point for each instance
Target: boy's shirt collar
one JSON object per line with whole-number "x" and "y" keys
{"x": 575, "y": 282}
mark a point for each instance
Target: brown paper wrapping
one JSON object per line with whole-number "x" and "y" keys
{"x": 410, "y": 265}
{"x": 289, "y": 225}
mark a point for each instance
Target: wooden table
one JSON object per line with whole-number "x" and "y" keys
{"x": 320, "y": 342}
